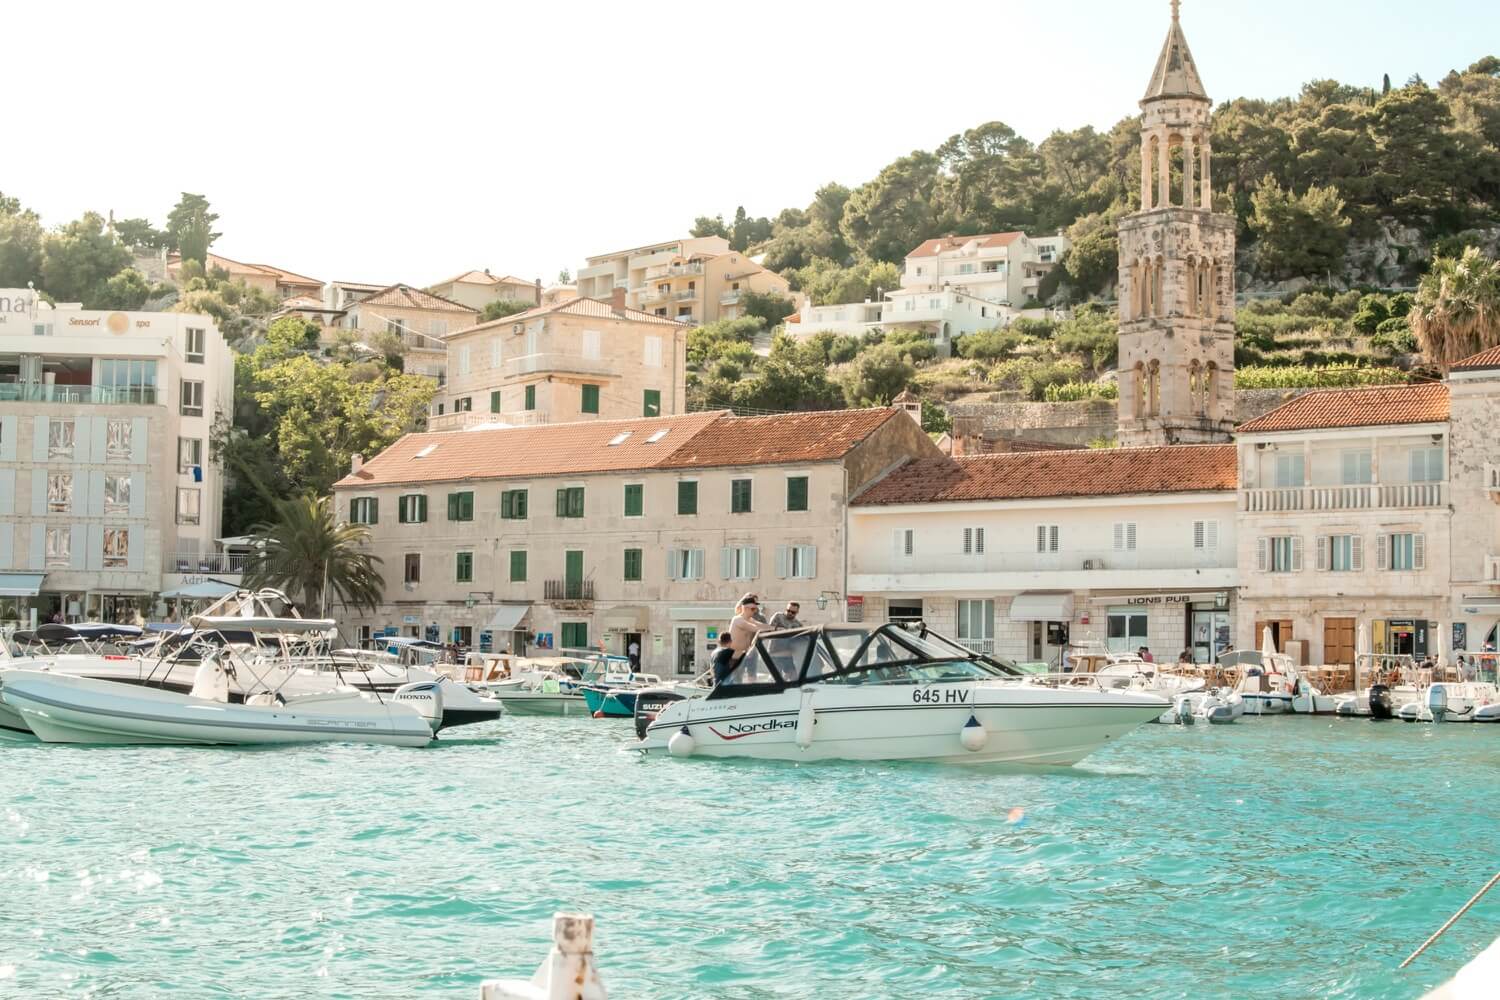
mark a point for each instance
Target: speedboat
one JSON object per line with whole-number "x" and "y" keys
{"x": 1383, "y": 683}
{"x": 542, "y": 686}
{"x": 613, "y": 696}
{"x": 844, "y": 692}
{"x": 1453, "y": 701}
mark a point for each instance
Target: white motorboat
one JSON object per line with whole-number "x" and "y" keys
{"x": 542, "y": 686}
{"x": 839, "y": 692}
{"x": 1453, "y": 701}
{"x": 60, "y": 708}
{"x": 1216, "y": 707}
{"x": 1383, "y": 684}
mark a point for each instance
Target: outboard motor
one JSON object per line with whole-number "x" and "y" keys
{"x": 1437, "y": 701}
{"x": 1380, "y": 702}
{"x": 426, "y": 697}
{"x": 648, "y": 704}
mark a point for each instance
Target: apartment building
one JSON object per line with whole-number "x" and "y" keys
{"x": 998, "y": 267}
{"x": 274, "y": 281}
{"x": 421, "y": 319}
{"x": 477, "y": 289}
{"x": 1024, "y": 554}
{"x": 601, "y": 534}
{"x": 1474, "y": 495}
{"x": 943, "y": 315}
{"x": 578, "y": 360}
{"x": 108, "y": 496}
{"x": 692, "y": 281}
{"x": 1347, "y": 517}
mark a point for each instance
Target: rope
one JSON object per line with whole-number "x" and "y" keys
{"x": 1451, "y": 920}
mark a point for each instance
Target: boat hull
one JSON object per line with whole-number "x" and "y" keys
{"x": 64, "y": 709}
{"x": 610, "y": 703}
{"x": 542, "y": 703}
{"x": 1023, "y": 724}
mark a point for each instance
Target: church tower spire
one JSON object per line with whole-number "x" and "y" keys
{"x": 1176, "y": 284}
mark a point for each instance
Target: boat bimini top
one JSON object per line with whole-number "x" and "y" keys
{"x": 840, "y": 654}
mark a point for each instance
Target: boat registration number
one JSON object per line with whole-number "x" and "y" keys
{"x": 940, "y": 696}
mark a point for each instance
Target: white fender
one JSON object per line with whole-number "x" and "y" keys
{"x": 682, "y": 743}
{"x": 807, "y": 718}
{"x": 210, "y": 682}
{"x": 424, "y": 696}
{"x": 973, "y": 735}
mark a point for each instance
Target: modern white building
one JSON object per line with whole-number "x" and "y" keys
{"x": 943, "y": 314}
{"x": 108, "y": 493}
{"x": 1022, "y": 554}
{"x": 999, "y": 267}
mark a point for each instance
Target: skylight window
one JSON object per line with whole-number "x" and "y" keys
{"x": 426, "y": 451}
{"x": 619, "y": 438}
{"x": 657, "y": 435}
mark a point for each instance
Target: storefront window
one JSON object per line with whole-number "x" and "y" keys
{"x": 1127, "y": 630}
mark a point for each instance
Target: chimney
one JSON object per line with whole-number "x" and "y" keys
{"x": 617, "y": 297}
{"x": 356, "y": 462}
{"x": 910, "y": 404}
{"x": 539, "y": 291}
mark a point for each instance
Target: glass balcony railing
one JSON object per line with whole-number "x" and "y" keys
{"x": 102, "y": 395}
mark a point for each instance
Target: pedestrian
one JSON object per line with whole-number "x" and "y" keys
{"x": 724, "y": 658}
{"x": 787, "y": 618}
{"x": 633, "y": 651}
{"x": 746, "y": 623}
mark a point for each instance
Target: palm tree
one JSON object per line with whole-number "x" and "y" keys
{"x": 307, "y": 554}
{"x": 1456, "y": 312}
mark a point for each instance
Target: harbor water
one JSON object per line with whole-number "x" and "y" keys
{"x": 1283, "y": 857}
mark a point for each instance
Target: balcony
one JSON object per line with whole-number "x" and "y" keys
{"x": 730, "y": 298}
{"x": 211, "y": 562}
{"x": 1106, "y": 568}
{"x": 687, "y": 294}
{"x": 568, "y": 593}
{"x": 1307, "y": 499}
{"x": 531, "y": 364}
{"x": 464, "y": 419}
{"x": 99, "y": 395}
{"x": 673, "y": 271}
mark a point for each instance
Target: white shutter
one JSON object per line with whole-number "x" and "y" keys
{"x": 672, "y": 564}
{"x": 1041, "y": 538}
{"x": 79, "y": 542}
{"x": 810, "y": 560}
{"x": 1323, "y": 552}
{"x": 783, "y": 557}
{"x": 7, "y": 495}
{"x": 1119, "y": 535}
{"x": 1418, "y": 551}
{"x": 979, "y": 540}
{"x": 1382, "y": 552}
{"x": 909, "y": 548}
{"x": 83, "y": 438}
{"x": 135, "y": 550}
{"x": 1211, "y": 534}
{"x": 752, "y": 562}
{"x": 39, "y": 490}
{"x": 591, "y": 343}
{"x": 96, "y": 546}
{"x": 1263, "y": 554}
{"x": 1130, "y": 535}
{"x": 1200, "y": 534}
{"x": 7, "y": 540}
{"x": 1052, "y": 537}
{"x": 695, "y": 564}
{"x": 1357, "y": 553}
{"x": 896, "y": 547}
{"x": 726, "y": 563}
{"x": 140, "y": 453}
{"x": 8, "y": 428}
{"x": 138, "y": 496}
{"x": 39, "y": 439}
{"x": 38, "y": 555}
{"x": 1296, "y": 553}
{"x": 968, "y": 540}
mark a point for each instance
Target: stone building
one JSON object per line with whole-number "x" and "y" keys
{"x": 1176, "y": 271}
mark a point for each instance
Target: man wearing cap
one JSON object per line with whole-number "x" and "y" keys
{"x": 747, "y": 621}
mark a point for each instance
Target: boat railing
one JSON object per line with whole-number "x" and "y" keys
{"x": 1068, "y": 679}
{"x": 1390, "y": 669}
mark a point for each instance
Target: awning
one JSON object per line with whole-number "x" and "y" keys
{"x": 507, "y": 617}
{"x": 1040, "y": 607}
{"x": 20, "y": 584}
{"x": 206, "y": 590}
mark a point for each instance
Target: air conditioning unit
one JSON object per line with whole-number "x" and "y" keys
{"x": 1089, "y": 563}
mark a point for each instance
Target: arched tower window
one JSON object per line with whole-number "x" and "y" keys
{"x": 1194, "y": 381}
{"x": 1210, "y": 389}
{"x": 1157, "y": 269}
{"x": 1153, "y": 389}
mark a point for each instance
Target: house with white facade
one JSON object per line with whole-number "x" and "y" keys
{"x": 1024, "y": 554}
{"x": 998, "y": 267}
{"x": 108, "y": 493}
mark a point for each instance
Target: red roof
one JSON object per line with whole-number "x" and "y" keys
{"x": 694, "y": 440}
{"x": 1372, "y": 406}
{"x": 944, "y": 243}
{"x": 1035, "y": 475}
{"x": 407, "y": 297}
{"x": 1479, "y": 362}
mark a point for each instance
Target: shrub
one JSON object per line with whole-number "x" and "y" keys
{"x": 1373, "y": 310}
{"x": 1337, "y": 376}
{"x": 1344, "y": 303}
{"x": 1312, "y": 304}
{"x": 1049, "y": 373}
{"x": 1033, "y": 327}
{"x": 1396, "y": 337}
{"x": 991, "y": 345}
{"x": 1072, "y": 392}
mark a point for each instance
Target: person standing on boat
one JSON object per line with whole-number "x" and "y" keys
{"x": 633, "y": 651}
{"x": 724, "y": 657}
{"x": 787, "y": 618}
{"x": 746, "y": 623}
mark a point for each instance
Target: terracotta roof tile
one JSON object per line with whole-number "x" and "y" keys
{"x": 694, "y": 440}
{"x": 1048, "y": 474}
{"x": 1371, "y": 406}
{"x": 930, "y": 248}
{"x": 1479, "y": 362}
{"x": 781, "y": 439}
{"x": 481, "y": 278}
{"x": 407, "y": 297}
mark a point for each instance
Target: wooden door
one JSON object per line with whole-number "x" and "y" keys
{"x": 1281, "y": 631}
{"x": 1338, "y": 641}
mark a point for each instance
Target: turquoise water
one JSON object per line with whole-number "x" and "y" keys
{"x": 1279, "y": 857}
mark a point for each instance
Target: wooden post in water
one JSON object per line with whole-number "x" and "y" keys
{"x": 567, "y": 973}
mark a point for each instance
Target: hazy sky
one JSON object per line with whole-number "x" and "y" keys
{"x": 410, "y": 141}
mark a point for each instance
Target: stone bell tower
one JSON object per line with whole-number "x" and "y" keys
{"x": 1176, "y": 271}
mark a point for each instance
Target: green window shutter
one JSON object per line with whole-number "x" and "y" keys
{"x": 374, "y": 510}
{"x": 495, "y": 401}
{"x": 635, "y": 503}
{"x": 687, "y": 498}
{"x": 570, "y": 502}
{"x": 422, "y": 509}
{"x": 531, "y": 397}
{"x": 739, "y": 496}
{"x": 507, "y": 504}
{"x": 562, "y": 502}
{"x": 518, "y": 566}
{"x": 453, "y": 506}
{"x": 464, "y": 569}
{"x": 633, "y": 565}
{"x": 652, "y": 406}
{"x": 519, "y": 503}
{"x": 590, "y": 399}
{"x": 466, "y": 506}
{"x": 796, "y": 493}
